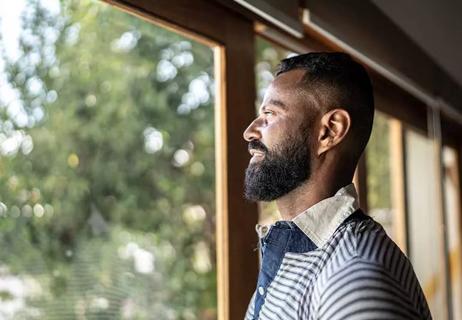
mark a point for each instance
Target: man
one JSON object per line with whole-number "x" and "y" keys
{"x": 325, "y": 260}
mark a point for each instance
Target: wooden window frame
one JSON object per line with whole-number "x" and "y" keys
{"x": 398, "y": 183}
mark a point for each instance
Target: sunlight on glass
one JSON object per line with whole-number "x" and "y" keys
{"x": 17, "y": 113}
{"x": 72, "y": 34}
{"x": 197, "y": 95}
{"x": 143, "y": 260}
{"x": 126, "y": 42}
{"x": 153, "y": 140}
{"x": 10, "y": 144}
{"x": 27, "y": 211}
{"x": 39, "y": 211}
{"x": 3, "y": 209}
{"x": 201, "y": 259}
{"x": 183, "y": 59}
{"x": 165, "y": 71}
{"x": 180, "y": 158}
{"x": 73, "y": 160}
{"x": 197, "y": 168}
{"x": 194, "y": 214}
{"x": 90, "y": 100}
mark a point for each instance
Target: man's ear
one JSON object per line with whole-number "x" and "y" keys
{"x": 333, "y": 129}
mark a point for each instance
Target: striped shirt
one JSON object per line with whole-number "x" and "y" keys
{"x": 333, "y": 262}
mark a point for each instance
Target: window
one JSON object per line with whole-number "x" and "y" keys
{"x": 379, "y": 174}
{"x": 109, "y": 195}
{"x": 107, "y": 156}
{"x": 425, "y": 227}
{"x": 385, "y": 181}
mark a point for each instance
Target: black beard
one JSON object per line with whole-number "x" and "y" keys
{"x": 279, "y": 172}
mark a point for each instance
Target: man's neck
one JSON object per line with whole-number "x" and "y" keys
{"x": 308, "y": 194}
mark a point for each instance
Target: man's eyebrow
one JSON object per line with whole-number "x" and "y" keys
{"x": 277, "y": 103}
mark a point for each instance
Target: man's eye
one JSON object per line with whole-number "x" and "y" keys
{"x": 268, "y": 113}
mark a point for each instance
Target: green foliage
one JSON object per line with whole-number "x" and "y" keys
{"x": 378, "y": 165}
{"x": 115, "y": 161}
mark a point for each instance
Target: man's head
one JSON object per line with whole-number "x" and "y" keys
{"x": 317, "y": 113}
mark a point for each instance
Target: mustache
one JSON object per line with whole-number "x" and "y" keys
{"x": 257, "y": 145}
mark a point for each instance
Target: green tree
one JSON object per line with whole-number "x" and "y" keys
{"x": 107, "y": 168}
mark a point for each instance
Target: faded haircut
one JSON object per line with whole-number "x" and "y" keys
{"x": 335, "y": 80}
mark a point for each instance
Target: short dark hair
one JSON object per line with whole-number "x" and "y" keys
{"x": 334, "y": 79}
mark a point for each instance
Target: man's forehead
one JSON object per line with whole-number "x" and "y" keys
{"x": 289, "y": 79}
{"x": 286, "y": 85}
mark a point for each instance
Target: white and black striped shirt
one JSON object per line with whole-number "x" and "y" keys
{"x": 348, "y": 268}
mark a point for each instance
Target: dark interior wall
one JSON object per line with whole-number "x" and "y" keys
{"x": 363, "y": 26}
{"x": 434, "y": 25}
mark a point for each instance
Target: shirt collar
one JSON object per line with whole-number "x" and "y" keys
{"x": 321, "y": 220}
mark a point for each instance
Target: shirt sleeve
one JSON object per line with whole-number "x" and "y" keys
{"x": 364, "y": 290}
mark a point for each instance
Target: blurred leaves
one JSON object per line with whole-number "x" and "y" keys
{"x": 110, "y": 142}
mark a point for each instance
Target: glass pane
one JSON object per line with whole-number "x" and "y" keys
{"x": 379, "y": 174}
{"x": 107, "y": 167}
{"x": 453, "y": 226}
{"x": 425, "y": 237}
{"x": 268, "y": 56}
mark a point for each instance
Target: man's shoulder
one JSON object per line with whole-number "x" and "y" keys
{"x": 368, "y": 241}
{"x": 366, "y": 262}
{"x": 369, "y": 289}
{"x": 369, "y": 245}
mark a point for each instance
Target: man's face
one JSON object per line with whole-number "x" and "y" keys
{"x": 279, "y": 141}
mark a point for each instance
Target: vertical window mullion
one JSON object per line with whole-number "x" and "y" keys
{"x": 398, "y": 184}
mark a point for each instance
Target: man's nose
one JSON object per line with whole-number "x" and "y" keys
{"x": 252, "y": 132}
